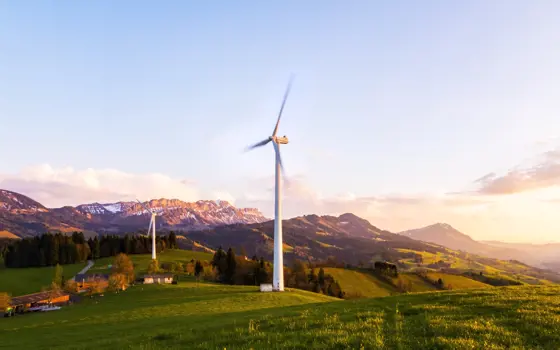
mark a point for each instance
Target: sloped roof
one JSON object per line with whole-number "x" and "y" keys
{"x": 82, "y": 277}
{"x": 36, "y": 297}
{"x": 164, "y": 275}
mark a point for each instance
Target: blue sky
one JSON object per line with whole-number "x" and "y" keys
{"x": 400, "y": 97}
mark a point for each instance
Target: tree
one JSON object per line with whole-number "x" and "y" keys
{"x": 153, "y": 267}
{"x": 123, "y": 265}
{"x": 96, "y": 251}
{"x": 190, "y": 268}
{"x": 58, "y": 276}
{"x": 219, "y": 261}
{"x": 127, "y": 244}
{"x": 229, "y": 273}
{"x": 198, "y": 269}
{"x": 53, "y": 291}
{"x": 95, "y": 287}
{"x": 172, "y": 240}
{"x": 4, "y": 301}
{"x": 71, "y": 286}
{"x": 321, "y": 277}
{"x": 179, "y": 267}
{"x": 117, "y": 281}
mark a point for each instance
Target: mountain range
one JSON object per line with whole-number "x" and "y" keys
{"x": 207, "y": 225}
{"x": 22, "y": 216}
{"x": 543, "y": 255}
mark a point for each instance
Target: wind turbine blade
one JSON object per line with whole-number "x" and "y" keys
{"x": 277, "y": 149}
{"x": 150, "y": 227}
{"x": 145, "y": 207}
{"x": 283, "y": 104}
{"x": 257, "y": 145}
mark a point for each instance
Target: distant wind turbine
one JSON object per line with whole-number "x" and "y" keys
{"x": 152, "y": 227}
{"x": 278, "y": 274}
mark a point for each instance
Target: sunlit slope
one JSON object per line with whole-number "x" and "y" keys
{"x": 147, "y": 312}
{"x": 358, "y": 284}
{"x": 29, "y": 280}
{"x": 217, "y": 317}
{"x": 142, "y": 261}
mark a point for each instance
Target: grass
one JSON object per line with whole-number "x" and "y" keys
{"x": 416, "y": 282}
{"x": 141, "y": 261}
{"x": 456, "y": 281}
{"x": 230, "y": 317}
{"x": 360, "y": 284}
{"x": 30, "y": 280}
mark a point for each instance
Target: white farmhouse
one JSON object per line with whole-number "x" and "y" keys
{"x": 165, "y": 278}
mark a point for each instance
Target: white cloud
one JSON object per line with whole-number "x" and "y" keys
{"x": 54, "y": 187}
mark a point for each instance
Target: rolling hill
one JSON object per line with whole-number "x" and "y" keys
{"x": 214, "y": 316}
{"x": 207, "y": 225}
{"x": 543, "y": 255}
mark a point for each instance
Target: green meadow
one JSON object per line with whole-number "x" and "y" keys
{"x": 31, "y": 279}
{"x": 212, "y": 316}
{"x": 142, "y": 261}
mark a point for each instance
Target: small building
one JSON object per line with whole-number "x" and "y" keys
{"x": 85, "y": 281}
{"x": 163, "y": 278}
{"x": 266, "y": 287}
{"x": 24, "y": 302}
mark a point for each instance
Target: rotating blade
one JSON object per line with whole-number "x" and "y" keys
{"x": 258, "y": 144}
{"x": 145, "y": 207}
{"x": 283, "y": 104}
{"x": 279, "y": 157}
{"x": 150, "y": 227}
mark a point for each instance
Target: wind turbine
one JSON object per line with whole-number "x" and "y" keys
{"x": 278, "y": 273}
{"x": 152, "y": 227}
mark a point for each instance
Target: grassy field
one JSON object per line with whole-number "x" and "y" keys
{"x": 457, "y": 282}
{"x": 141, "y": 261}
{"x": 30, "y": 280}
{"x": 231, "y": 317}
{"x": 360, "y": 284}
{"x": 416, "y": 282}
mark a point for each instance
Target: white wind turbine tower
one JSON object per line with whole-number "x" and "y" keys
{"x": 278, "y": 273}
{"x": 152, "y": 227}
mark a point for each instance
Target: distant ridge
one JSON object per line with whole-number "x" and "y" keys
{"x": 23, "y": 216}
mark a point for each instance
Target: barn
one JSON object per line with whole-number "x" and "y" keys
{"x": 24, "y": 302}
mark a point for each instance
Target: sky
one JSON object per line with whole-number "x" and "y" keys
{"x": 406, "y": 113}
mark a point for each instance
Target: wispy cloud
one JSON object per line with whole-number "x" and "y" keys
{"x": 68, "y": 186}
{"x": 545, "y": 172}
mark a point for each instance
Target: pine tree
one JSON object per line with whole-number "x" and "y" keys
{"x": 321, "y": 277}
{"x": 231, "y": 266}
{"x": 219, "y": 261}
{"x": 172, "y": 240}
{"x": 96, "y": 254}
{"x": 198, "y": 268}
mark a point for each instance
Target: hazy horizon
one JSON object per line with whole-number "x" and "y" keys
{"x": 406, "y": 114}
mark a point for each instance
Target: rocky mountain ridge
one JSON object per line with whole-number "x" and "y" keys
{"x": 22, "y": 216}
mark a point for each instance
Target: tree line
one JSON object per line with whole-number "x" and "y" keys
{"x": 52, "y": 249}
{"x": 231, "y": 269}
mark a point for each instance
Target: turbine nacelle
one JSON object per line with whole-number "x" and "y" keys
{"x": 281, "y": 140}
